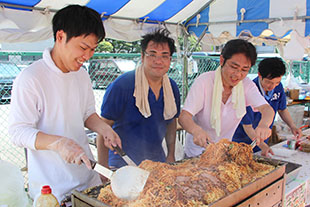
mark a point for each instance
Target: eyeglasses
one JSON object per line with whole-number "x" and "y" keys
{"x": 237, "y": 69}
{"x": 160, "y": 57}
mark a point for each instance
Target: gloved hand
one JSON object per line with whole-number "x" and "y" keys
{"x": 70, "y": 151}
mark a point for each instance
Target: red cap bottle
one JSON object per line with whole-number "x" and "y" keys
{"x": 46, "y": 189}
{"x": 46, "y": 198}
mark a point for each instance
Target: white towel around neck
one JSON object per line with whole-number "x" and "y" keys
{"x": 238, "y": 101}
{"x": 142, "y": 90}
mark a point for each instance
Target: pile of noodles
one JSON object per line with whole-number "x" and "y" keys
{"x": 223, "y": 168}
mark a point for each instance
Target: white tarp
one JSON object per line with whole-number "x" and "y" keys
{"x": 264, "y": 22}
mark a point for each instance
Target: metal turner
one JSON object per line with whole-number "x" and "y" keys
{"x": 253, "y": 144}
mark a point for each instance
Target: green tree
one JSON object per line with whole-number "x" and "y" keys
{"x": 124, "y": 47}
{"x": 117, "y": 46}
{"x": 192, "y": 44}
{"x": 104, "y": 46}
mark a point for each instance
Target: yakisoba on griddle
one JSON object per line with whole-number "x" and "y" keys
{"x": 223, "y": 168}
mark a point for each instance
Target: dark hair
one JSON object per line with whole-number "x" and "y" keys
{"x": 76, "y": 20}
{"x": 271, "y": 68}
{"x": 158, "y": 36}
{"x": 239, "y": 46}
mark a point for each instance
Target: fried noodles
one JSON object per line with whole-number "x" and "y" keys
{"x": 222, "y": 169}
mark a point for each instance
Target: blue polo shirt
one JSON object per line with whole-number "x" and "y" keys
{"x": 141, "y": 137}
{"x": 277, "y": 100}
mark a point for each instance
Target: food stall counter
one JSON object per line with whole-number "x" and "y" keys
{"x": 297, "y": 192}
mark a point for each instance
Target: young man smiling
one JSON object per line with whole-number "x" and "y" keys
{"x": 142, "y": 105}
{"x": 270, "y": 72}
{"x": 217, "y": 100}
{"x": 52, "y": 102}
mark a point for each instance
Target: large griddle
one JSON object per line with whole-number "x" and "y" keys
{"x": 265, "y": 191}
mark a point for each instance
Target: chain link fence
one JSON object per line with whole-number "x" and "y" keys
{"x": 103, "y": 68}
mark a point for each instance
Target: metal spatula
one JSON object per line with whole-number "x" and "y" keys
{"x": 127, "y": 182}
{"x": 253, "y": 144}
{"x": 124, "y": 156}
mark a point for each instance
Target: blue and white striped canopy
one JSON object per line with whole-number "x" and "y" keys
{"x": 265, "y": 21}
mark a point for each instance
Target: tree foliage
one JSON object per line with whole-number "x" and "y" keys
{"x": 117, "y": 46}
{"x": 104, "y": 46}
{"x": 192, "y": 44}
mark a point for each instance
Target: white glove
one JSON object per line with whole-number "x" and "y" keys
{"x": 70, "y": 151}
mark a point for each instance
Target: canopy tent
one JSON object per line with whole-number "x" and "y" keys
{"x": 270, "y": 22}
{"x": 263, "y": 22}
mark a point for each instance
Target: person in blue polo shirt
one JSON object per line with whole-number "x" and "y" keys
{"x": 270, "y": 72}
{"x": 142, "y": 106}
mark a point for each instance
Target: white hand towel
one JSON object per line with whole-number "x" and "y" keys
{"x": 142, "y": 90}
{"x": 238, "y": 101}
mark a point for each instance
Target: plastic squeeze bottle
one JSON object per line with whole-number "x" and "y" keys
{"x": 46, "y": 199}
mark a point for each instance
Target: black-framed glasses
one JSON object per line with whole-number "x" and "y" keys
{"x": 237, "y": 69}
{"x": 160, "y": 57}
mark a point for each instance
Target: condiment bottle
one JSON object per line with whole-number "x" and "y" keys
{"x": 46, "y": 199}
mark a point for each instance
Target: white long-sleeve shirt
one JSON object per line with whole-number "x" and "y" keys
{"x": 46, "y": 99}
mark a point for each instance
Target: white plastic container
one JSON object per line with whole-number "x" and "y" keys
{"x": 12, "y": 191}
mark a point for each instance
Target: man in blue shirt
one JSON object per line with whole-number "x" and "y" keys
{"x": 142, "y": 106}
{"x": 270, "y": 72}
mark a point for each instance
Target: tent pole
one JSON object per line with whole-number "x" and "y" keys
{"x": 187, "y": 54}
{"x": 267, "y": 20}
{"x": 15, "y": 6}
{"x": 185, "y": 69}
{"x": 198, "y": 41}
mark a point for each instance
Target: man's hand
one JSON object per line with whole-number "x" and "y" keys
{"x": 262, "y": 133}
{"x": 286, "y": 117}
{"x": 69, "y": 151}
{"x": 170, "y": 159}
{"x": 103, "y": 128}
{"x": 265, "y": 149}
{"x": 296, "y": 131}
{"x": 201, "y": 138}
{"x": 110, "y": 137}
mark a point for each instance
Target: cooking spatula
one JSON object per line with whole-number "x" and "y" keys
{"x": 124, "y": 156}
{"x": 253, "y": 144}
{"x": 127, "y": 182}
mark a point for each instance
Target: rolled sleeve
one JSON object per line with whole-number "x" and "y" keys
{"x": 114, "y": 101}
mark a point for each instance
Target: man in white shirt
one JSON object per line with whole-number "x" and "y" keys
{"x": 52, "y": 102}
{"x": 217, "y": 100}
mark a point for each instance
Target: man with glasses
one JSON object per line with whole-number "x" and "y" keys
{"x": 217, "y": 100}
{"x": 270, "y": 72}
{"x": 142, "y": 106}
